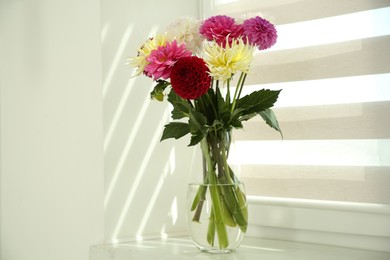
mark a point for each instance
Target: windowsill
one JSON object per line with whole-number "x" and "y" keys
{"x": 251, "y": 248}
{"x": 343, "y": 224}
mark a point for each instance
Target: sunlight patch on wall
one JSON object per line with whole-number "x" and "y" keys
{"x": 104, "y": 32}
{"x": 125, "y": 152}
{"x": 117, "y": 58}
{"x": 154, "y": 141}
{"x": 173, "y": 213}
{"x": 153, "y": 199}
{"x": 118, "y": 113}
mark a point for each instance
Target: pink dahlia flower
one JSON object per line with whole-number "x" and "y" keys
{"x": 163, "y": 58}
{"x": 190, "y": 77}
{"x": 220, "y": 28}
{"x": 259, "y": 32}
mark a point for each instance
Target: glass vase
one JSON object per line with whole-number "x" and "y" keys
{"x": 217, "y": 208}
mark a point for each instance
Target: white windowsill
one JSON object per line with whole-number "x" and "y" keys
{"x": 352, "y": 225}
{"x": 251, "y": 248}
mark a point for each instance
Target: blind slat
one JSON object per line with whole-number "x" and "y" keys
{"x": 347, "y": 121}
{"x": 352, "y": 152}
{"x": 358, "y": 57}
{"x": 340, "y": 183}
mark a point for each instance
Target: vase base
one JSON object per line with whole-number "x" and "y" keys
{"x": 216, "y": 251}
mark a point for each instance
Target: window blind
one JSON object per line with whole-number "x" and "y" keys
{"x": 332, "y": 62}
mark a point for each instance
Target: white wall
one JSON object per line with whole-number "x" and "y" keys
{"x": 51, "y": 129}
{"x": 52, "y": 132}
{"x": 145, "y": 180}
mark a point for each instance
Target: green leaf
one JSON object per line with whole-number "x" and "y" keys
{"x": 257, "y": 101}
{"x": 196, "y": 138}
{"x": 217, "y": 124}
{"x": 207, "y": 104}
{"x": 236, "y": 118}
{"x": 247, "y": 116}
{"x": 175, "y": 130}
{"x": 158, "y": 91}
{"x": 198, "y": 126}
{"x": 221, "y": 104}
{"x": 236, "y": 123}
{"x": 269, "y": 117}
{"x": 181, "y": 106}
{"x": 197, "y": 121}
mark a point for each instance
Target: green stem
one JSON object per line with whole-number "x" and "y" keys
{"x": 224, "y": 151}
{"x": 211, "y": 228}
{"x": 219, "y": 223}
{"x": 236, "y": 92}
{"x": 232, "y": 193}
{"x": 211, "y": 103}
{"x": 227, "y": 99}
{"x": 242, "y": 86}
{"x": 198, "y": 201}
{"x": 213, "y": 140}
{"x": 200, "y": 196}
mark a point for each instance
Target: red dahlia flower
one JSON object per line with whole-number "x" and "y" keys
{"x": 220, "y": 27}
{"x": 190, "y": 77}
{"x": 259, "y": 32}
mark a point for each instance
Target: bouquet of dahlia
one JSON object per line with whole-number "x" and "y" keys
{"x": 193, "y": 64}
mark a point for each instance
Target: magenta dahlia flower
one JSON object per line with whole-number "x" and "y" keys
{"x": 163, "y": 58}
{"x": 190, "y": 77}
{"x": 259, "y": 32}
{"x": 220, "y": 28}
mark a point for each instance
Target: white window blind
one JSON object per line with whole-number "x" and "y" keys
{"x": 332, "y": 60}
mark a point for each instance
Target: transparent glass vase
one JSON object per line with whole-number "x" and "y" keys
{"x": 217, "y": 210}
{"x": 207, "y": 233}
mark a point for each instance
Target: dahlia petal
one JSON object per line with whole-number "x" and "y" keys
{"x": 162, "y": 59}
{"x": 190, "y": 78}
{"x": 259, "y": 32}
{"x": 221, "y": 28}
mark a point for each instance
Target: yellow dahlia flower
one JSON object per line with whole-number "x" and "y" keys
{"x": 140, "y": 61}
{"x": 224, "y": 62}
